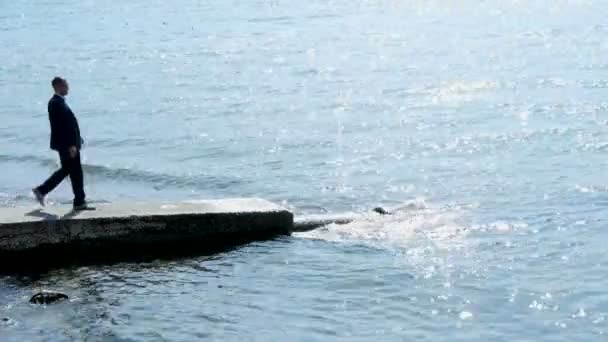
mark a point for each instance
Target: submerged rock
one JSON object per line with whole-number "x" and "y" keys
{"x": 7, "y": 321}
{"x": 47, "y": 297}
{"x": 381, "y": 211}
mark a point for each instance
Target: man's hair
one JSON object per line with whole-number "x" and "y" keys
{"x": 57, "y": 81}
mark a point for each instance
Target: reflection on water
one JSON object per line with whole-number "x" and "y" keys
{"x": 484, "y": 123}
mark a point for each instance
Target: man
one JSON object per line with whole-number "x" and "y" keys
{"x": 66, "y": 140}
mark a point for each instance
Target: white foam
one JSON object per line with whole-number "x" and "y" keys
{"x": 461, "y": 91}
{"x": 500, "y": 227}
{"x": 464, "y": 315}
{"x": 412, "y": 220}
{"x": 590, "y": 189}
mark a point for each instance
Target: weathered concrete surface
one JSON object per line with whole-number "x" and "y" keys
{"x": 130, "y": 228}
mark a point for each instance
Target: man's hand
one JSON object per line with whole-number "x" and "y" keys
{"x": 73, "y": 152}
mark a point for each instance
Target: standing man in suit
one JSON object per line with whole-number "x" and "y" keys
{"x": 66, "y": 140}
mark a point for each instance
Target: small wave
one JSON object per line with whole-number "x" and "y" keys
{"x": 454, "y": 92}
{"x": 28, "y": 159}
{"x": 271, "y": 19}
{"x": 486, "y": 142}
{"x": 590, "y": 188}
{"x": 500, "y": 227}
{"x": 466, "y": 87}
{"x": 461, "y": 91}
{"x": 595, "y": 84}
{"x": 7, "y": 200}
{"x": 161, "y": 180}
{"x": 158, "y": 180}
{"x": 552, "y": 82}
{"x": 323, "y": 16}
{"x": 450, "y": 89}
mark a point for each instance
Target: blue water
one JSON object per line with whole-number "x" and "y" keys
{"x": 485, "y": 121}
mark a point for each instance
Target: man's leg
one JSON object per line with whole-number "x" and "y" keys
{"x": 55, "y": 178}
{"x": 76, "y": 177}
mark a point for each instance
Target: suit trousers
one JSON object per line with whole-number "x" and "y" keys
{"x": 69, "y": 167}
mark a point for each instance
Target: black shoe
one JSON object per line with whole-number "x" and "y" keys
{"x": 84, "y": 207}
{"x": 39, "y": 196}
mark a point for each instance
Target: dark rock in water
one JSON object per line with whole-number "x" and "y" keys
{"x": 7, "y": 321}
{"x": 46, "y": 297}
{"x": 381, "y": 211}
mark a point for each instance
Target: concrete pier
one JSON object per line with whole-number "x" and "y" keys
{"x": 30, "y": 237}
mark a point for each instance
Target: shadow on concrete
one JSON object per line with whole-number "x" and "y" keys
{"x": 52, "y": 217}
{"x": 41, "y": 214}
{"x": 71, "y": 214}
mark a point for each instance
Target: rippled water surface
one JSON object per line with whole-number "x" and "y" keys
{"x": 484, "y": 122}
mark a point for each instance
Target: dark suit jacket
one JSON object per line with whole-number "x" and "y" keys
{"x": 64, "y": 126}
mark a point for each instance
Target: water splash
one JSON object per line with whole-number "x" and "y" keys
{"x": 409, "y": 222}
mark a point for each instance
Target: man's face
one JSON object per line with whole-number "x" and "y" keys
{"x": 63, "y": 88}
